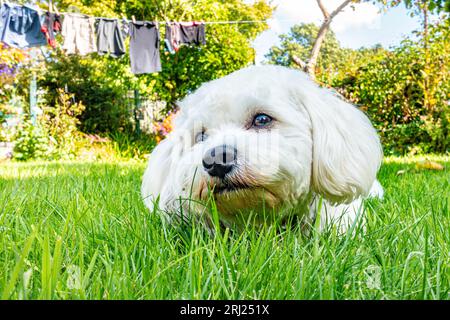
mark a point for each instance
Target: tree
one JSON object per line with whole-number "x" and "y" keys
{"x": 404, "y": 90}
{"x": 310, "y": 65}
{"x": 408, "y": 114}
{"x": 425, "y": 6}
{"x": 433, "y": 6}
{"x": 328, "y": 18}
{"x": 298, "y": 44}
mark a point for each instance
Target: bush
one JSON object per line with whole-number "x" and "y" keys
{"x": 406, "y": 92}
{"x": 56, "y": 136}
{"x": 92, "y": 83}
{"x": 61, "y": 123}
{"x": 31, "y": 142}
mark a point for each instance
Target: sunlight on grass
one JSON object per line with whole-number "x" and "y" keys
{"x": 417, "y": 158}
{"x": 31, "y": 169}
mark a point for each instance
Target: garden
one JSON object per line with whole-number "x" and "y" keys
{"x": 76, "y": 132}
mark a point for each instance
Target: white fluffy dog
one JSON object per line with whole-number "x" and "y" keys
{"x": 265, "y": 139}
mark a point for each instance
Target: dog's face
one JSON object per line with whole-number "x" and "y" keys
{"x": 262, "y": 137}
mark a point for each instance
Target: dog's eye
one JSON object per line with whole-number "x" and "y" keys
{"x": 201, "y": 136}
{"x": 261, "y": 120}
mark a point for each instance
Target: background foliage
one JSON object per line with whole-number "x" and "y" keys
{"x": 405, "y": 90}
{"x": 10, "y": 60}
{"x": 101, "y": 82}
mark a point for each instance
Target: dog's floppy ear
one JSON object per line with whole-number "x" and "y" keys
{"x": 158, "y": 170}
{"x": 346, "y": 149}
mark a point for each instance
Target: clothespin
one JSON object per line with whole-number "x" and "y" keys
{"x": 50, "y": 6}
{"x": 133, "y": 18}
{"x": 55, "y": 9}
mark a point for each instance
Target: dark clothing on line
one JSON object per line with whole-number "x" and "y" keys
{"x": 179, "y": 33}
{"x": 192, "y": 34}
{"x": 110, "y": 38}
{"x": 144, "y": 47}
{"x": 50, "y": 26}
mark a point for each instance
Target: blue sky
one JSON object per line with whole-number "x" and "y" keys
{"x": 365, "y": 25}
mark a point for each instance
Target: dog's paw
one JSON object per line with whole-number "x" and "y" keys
{"x": 376, "y": 191}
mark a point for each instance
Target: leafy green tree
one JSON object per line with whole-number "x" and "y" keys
{"x": 417, "y": 6}
{"x": 298, "y": 43}
{"x": 310, "y": 65}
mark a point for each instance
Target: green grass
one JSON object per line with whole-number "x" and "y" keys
{"x": 79, "y": 231}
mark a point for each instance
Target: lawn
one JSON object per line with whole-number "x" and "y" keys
{"x": 80, "y": 231}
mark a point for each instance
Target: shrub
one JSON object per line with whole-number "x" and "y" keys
{"x": 31, "y": 142}
{"x": 61, "y": 123}
{"x": 92, "y": 83}
{"x": 406, "y": 92}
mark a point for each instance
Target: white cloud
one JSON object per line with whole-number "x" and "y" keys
{"x": 364, "y": 15}
{"x": 307, "y": 11}
{"x": 275, "y": 25}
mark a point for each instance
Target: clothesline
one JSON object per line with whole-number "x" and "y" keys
{"x": 25, "y": 26}
{"x": 159, "y": 22}
{"x": 168, "y": 22}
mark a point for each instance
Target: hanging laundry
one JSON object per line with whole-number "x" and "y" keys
{"x": 144, "y": 47}
{"x": 79, "y": 34}
{"x": 109, "y": 37}
{"x": 179, "y": 33}
{"x": 20, "y": 26}
{"x": 50, "y": 26}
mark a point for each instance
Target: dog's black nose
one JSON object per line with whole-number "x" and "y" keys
{"x": 219, "y": 161}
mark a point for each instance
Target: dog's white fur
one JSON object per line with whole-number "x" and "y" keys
{"x": 318, "y": 146}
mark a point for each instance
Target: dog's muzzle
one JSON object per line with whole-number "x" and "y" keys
{"x": 219, "y": 161}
